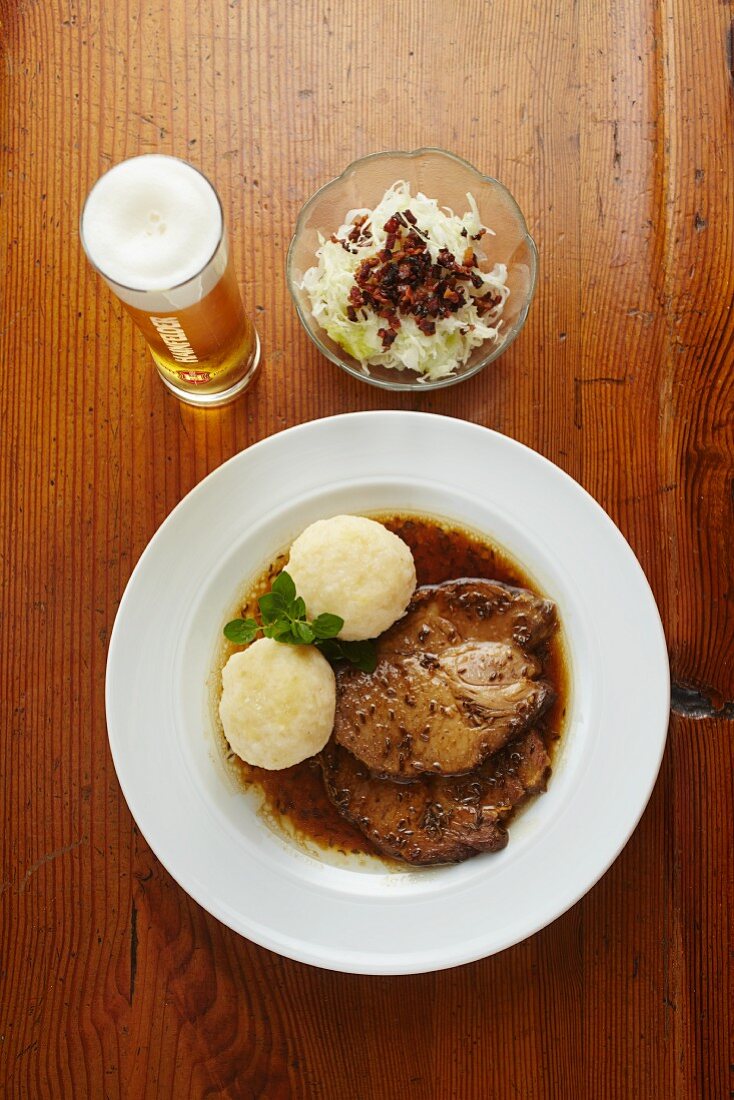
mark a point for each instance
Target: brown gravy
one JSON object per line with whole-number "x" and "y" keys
{"x": 294, "y": 798}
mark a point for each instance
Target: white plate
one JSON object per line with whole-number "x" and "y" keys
{"x": 358, "y": 917}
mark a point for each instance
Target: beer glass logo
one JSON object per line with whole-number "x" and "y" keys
{"x": 175, "y": 339}
{"x": 195, "y": 377}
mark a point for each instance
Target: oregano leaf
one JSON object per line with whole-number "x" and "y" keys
{"x": 241, "y": 631}
{"x": 284, "y": 586}
{"x": 327, "y": 626}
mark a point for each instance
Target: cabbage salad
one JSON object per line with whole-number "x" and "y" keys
{"x": 401, "y": 286}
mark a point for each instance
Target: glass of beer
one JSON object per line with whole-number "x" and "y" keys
{"x": 153, "y": 227}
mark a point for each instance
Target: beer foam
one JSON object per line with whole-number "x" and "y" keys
{"x": 151, "y": 223}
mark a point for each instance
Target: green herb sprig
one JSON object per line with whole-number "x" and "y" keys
{"x": 283, "y": 615}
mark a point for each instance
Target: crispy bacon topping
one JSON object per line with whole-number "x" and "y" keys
{"x": 402, "y": 280}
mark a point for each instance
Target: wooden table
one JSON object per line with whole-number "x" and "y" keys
{"x": 614, "y": 130}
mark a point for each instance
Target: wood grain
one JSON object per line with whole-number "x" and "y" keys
{"x": 612, "y": 125}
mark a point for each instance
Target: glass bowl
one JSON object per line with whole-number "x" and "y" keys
{"x": 446, "y": 178}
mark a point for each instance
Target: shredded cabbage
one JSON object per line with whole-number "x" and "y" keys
{"x": 430, "y": 356}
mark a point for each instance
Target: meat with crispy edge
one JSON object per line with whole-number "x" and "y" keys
{"x": 457, "y": 678}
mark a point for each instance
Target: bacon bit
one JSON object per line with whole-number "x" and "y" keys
{"x": 361, "y": 232}
{"x": 487, "y": 302}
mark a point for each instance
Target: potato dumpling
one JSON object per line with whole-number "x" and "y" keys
{"x": 355, "y": 568}
{"x": 278, "y": 702}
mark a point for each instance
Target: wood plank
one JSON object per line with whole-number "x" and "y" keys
{"x": 612, "y": 125}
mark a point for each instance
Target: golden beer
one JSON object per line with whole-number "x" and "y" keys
{"x": 153, "y": 227}
{"x": 205, "y": 345}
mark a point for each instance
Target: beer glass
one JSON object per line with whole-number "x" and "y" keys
{"x": 153, "y": 228}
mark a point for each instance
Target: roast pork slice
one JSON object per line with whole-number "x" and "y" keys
{"x": 443, "y": 615}
{"x": 437, "y": 820}
{"x": 456, "y": 679}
